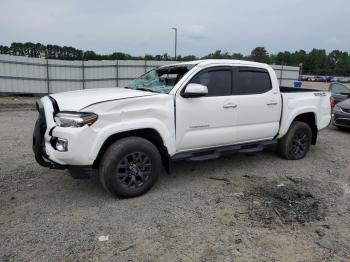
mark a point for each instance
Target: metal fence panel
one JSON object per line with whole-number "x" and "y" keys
{"x": 128, "y": 69}
{"x": 100, "y": 70}
{"x": 100, "y": 84}
{"x": 63, "y": 86}
{"x": 40, "y": 76}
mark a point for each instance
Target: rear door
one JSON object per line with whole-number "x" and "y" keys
{"x": 258, "y": 104}
{"x": 207, "y": 121}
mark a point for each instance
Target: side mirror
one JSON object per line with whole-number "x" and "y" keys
{"x": 195, "y": 90}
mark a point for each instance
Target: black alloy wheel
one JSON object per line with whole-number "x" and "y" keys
{"x": 134, "y": 170}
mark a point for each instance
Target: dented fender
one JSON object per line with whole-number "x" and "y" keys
{"x": 154, "y": 112}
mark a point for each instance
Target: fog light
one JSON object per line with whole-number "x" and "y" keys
{"x": 61, "y": 144}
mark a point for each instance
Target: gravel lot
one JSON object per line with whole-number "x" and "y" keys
{"x": 238, "y": 208}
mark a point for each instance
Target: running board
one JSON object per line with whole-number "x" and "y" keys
{"x": 213, "y": 153}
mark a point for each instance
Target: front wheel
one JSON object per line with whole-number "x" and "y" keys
{"x": 296, "y": 143}
{"x": 130, "y": 167}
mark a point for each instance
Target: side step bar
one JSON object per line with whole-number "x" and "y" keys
{"x": 213, "y": 153}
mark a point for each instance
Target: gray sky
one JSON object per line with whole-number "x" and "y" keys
{"x": 139, "y": 27}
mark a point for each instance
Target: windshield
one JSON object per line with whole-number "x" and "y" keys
{"x": 161, "y": 80}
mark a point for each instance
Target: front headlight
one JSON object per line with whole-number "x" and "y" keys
{"x": 336, "y": 108}
{"x": 75, "y": 119}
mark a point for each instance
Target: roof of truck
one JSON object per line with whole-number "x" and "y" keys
{"x": 220, "y": 61}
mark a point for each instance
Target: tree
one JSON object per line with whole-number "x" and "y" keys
{"x": 188, "y": 58}
{"x": 237, "y": 56}
{"x": 284, "y": 58}
{"x": 318, "y": 61}
{"x": 339, "y": 62}
{"x": 217, "y": 55}
{"x": 90, "y": 55}
{"x": 259, "y": 54}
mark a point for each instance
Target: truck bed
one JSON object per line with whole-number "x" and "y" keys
{"x": 297, "y": 101}
{"x": 285, "y": 89}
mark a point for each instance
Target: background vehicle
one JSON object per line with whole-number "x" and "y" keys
{"x": 345, "y": 80}
{"x": 188, "y": 111}
{"x": 341, "y": 114}
{"x": 339, "y": 92}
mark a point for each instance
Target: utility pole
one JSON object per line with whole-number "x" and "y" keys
{"x": 175, "y": 29}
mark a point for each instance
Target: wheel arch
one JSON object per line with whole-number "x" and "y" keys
{"x": 310, "y": 119}
{"x": 149, "y": 134}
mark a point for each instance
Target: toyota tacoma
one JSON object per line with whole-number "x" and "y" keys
{"x": 196, "y": 111}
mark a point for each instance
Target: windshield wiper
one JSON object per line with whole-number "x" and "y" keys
{"x": 145, "y": 89}
{"x": 141, "y": 89}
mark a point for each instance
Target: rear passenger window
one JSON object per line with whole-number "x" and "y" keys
{"x": 218, "y": 81}
{"x": 252, "y": 81}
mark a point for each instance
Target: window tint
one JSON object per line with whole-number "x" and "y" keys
{"x": 339, "y": 88}
{"x": 251, "y": 81}
{"x": 218, "y": 81}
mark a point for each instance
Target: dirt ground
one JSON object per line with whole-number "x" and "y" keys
{"x": 15, "y": 103}
{"x": 237, "y": 208}
{"x": 318, "y": 85}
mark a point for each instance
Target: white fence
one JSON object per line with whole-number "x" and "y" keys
{"x": 24, "y": 75}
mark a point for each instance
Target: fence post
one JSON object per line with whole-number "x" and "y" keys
{"x": 281, "y": 76}
{"x": 145, "y": 66}
{"x": 83, "y": 73}
{"x": 47, "y": 76}
{"x": 116, "y": 74}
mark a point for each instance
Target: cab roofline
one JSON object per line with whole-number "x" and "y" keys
{"x": 206, "y": 62}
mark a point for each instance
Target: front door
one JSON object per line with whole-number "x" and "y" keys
{"x": 208, "y": 121}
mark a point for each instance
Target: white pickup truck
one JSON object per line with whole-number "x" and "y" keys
{"x": 187, "y": 111}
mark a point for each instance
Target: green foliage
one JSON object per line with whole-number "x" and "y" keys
{"x": 259, "y": 54}
{"x": 317, "y": 61}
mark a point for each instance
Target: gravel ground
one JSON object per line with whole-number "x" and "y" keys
{"x": 237, "y": 208}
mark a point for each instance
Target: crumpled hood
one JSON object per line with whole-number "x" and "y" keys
{"x": 77, "y": 100}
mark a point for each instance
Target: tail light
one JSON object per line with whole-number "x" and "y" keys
{"x": 332, "y": 101}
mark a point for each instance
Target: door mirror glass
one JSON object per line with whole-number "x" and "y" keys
{"x": 195, "y": 90}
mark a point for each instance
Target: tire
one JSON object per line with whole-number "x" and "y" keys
{"x": 130, "y": 167}
{"x": 296, "y": 143}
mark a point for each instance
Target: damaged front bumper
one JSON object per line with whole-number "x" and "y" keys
{"x": 45, "y": 133}
{"x": 39, "y": 140}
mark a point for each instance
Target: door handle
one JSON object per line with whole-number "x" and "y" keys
{"x": 272, "y": 104}
{"x": 229, "y": 105}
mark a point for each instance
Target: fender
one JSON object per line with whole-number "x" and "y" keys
{"x": 289, "y": 116}
{"x": 110, "y": 130}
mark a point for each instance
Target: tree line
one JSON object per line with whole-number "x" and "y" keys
{"x": 315, "y": 62}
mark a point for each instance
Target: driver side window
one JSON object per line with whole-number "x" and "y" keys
{"x": 218, "y": 81}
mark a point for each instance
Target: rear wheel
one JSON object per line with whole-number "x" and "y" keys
{"x": 296, "y": 143}
{"x": 130, "y": 167}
